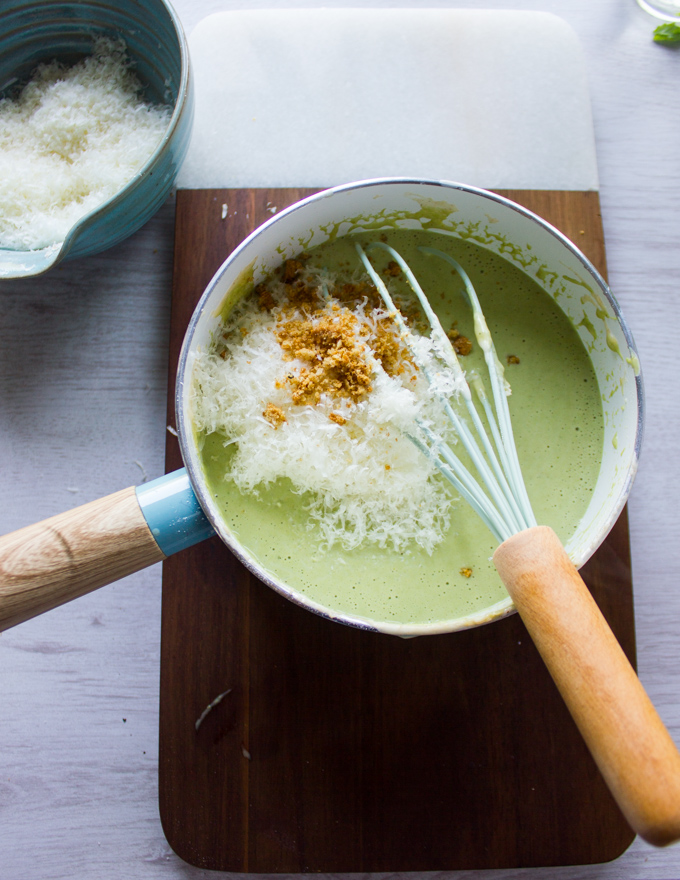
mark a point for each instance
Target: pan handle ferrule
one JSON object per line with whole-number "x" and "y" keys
{"x": 172, "y": 512}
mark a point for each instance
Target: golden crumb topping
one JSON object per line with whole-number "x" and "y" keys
{"x": 336, "y": 360}
{"x": 389, "y": 349}
{"x": 461, "y": 344}
{"x": 265, "y": 297}
{"x": 291, "y": 270}
{"x": 328, "y": 330}
{"x": 274, "y": 415}
{"x": 336, "y": 328}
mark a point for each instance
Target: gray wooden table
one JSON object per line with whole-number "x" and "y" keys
{"x": 82, "y": 413}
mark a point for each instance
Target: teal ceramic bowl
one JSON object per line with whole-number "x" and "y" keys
{"x": 35, "y": 31}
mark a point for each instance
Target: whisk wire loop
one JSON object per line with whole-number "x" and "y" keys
{"x": 507, "y": 447}
{"x": 508, "y": 510}
{"x": 461, "y": 429}
{"x": 459, "y": 476}
{"x": 501, "y": 491}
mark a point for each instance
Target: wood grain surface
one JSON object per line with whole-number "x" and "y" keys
{"x": 61, "y": 558}
{"x": 337, "y": 750}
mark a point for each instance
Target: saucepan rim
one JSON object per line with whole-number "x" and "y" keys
{"x": 194, "y": 469}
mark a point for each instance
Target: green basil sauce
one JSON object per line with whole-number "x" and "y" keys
{"x": 558, "y": 425}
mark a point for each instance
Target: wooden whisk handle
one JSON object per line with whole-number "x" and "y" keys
{"x": 623, "y": 731}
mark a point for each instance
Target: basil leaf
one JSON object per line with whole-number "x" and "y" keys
{"x": 667, "y": 33}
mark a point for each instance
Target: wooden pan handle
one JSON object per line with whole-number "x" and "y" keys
{"x": 623, "y": 731}
{"x": 59, "y": 559}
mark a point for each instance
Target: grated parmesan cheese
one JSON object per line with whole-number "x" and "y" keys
{"x": 71, "y": 140}
{"x": 363, "y": 480}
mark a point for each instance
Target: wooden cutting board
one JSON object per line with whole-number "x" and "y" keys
{"x": 336, "y": 750}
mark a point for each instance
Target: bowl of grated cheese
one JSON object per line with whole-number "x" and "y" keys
{"x": 96, "y": 109}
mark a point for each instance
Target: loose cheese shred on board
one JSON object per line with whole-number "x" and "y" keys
{"x": 71, "y": 140}
{"x": 312, "y": 391}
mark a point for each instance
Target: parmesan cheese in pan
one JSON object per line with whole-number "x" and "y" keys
{"x": 321, "y": 393}
{"x": 71, "y": 140}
